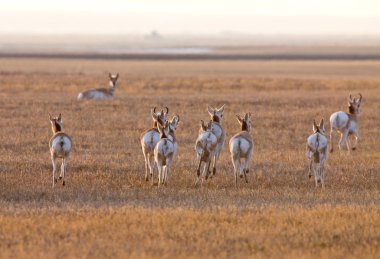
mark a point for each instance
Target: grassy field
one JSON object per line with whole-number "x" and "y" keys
{"x": 107, "y": 209}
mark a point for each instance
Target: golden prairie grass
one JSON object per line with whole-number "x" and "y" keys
{"x": 107, "y": 209}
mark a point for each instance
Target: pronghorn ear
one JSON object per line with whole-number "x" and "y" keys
{"x": 176, "y": 117}
{"x": 109, "y": 75}
{"x": 203, "y": 126}
{"x": 240, "y": 120}
{"x": 315, "y": 127}
{"x": 247, "y": 116}
{"x": 50, "y": 117}
{"x": 221, "y": 109}
{"x": 60, "y": 117}
{"x": 117, "y": 75}
{"x": 321, "y": 124}
{"x": 360, "y": 97}
{"x": 210, "y": 110}
{"x": 154, "y": 115}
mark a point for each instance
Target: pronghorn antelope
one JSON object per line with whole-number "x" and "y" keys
{"x": 346, "y": 123}
{"x": 101, "y": 93}
{"x": 205, "y": 147}
{"x": 217, "y": 130}
{"x": 149, "y": 139}
{"x": 165, "y": 150}
{"x": 241, "y": 147}
{"x": 316, "y": 151}
{"x": 60, "y": 146}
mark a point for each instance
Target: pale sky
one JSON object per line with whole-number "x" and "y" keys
{"x": 195, "y": 16}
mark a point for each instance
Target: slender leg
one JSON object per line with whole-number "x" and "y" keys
{"x": 343, "y": 139}
{"x": 54, "y": 161}
{"x": 62, "y": 169}
{"x": 248, "y": 161}
{"x": 152, "y": 164}
{"x": 65, "y": 162}
{"x": 199, "y": 166}
{"x": 160, "y": 168}
{"x": 236, "y": 165}
{"x": 315, "y": 171}
{"x": 207, "y": 169}
{"x": 146, "y": 166}
{"x": 310, "y": 167}
{"x": 331, "y": 140}
{"x": 348, "y": 143}
{"x": 167, "y": 171}
{"x": 356, "y": 140}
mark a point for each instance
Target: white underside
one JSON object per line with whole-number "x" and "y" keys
{"x": 94, "y": 95}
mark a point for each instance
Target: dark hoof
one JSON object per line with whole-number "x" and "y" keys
{"x": 331, "y": 150}
{"x": 60, "y": 178}
{"x": 309, "y": 176}
{"x": 214, "y": 171}
{"x": 241, "y": 176}
{"x": 198, "y": 172}
{"x": 246, "y": 171}
{"x": 55, "y": 180}
{"x": 354, "y": 148}
{"x": 246, "y": 180}
{"x": 146, "y": 178}
{"x": 63, "y": 183}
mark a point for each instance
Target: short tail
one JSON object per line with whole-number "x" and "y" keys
{"x": 80, "y": 96}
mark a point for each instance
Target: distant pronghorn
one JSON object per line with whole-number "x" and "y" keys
{"x": 60, "y": 146}
{"x": 346, "y": 123}
{"x": 316, "y": 151}
{"x": 241, "y": 147}
{"x": 217, "y": 130}
{"x": 149, "y": 139}
{"x": 205, "y": 147}
{"x": 101, "y": 93}
{"x": 165, "y": 149}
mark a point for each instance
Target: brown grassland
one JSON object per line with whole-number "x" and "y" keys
{"x": 107, "y": 209}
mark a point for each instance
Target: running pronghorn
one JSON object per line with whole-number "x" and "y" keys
{"x": 165, "y": 150}
{"x": 316, "y": 151}
{"x": 241, "y": 147}
{"x": 205, "y": 148}
{"x": 60, "y": 146}
{"x": 346, "y": 123}
{"x": 149, "y": 139}
{"x": 217, "y": 130}
{"x": 101, "y": 93}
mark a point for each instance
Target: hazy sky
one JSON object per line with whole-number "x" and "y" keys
{"x": 195, "y": 16}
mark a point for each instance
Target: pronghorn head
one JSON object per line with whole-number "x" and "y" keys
{"x": 205, "y": 127}
{"x": 319, "y": 128}
{"x": 354, "y": 104}
{"x": 164, "y": 130}
{"x": 245, "y": 122}
{"x": 216, "y": 114}
{"x": 159, "y": 117}
{"x": 56, "y": 123}
{"x": 113, "y": 79}
{"x": 173, "y": 124}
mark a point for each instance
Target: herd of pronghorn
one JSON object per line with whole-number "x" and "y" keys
{"x": 159, "y": 144}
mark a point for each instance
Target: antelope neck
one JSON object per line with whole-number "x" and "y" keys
{"x": 56, "y": 127}
{"x": 215, "y": 119}
{"x": 244, "y": 126}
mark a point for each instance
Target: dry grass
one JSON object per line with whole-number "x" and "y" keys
{"x": 107, "y": 209}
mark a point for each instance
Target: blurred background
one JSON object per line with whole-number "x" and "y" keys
{"x": 242, "y": 28}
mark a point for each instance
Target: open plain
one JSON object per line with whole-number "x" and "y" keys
{"x": 108, "y": 210}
